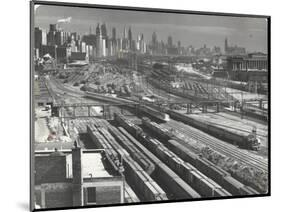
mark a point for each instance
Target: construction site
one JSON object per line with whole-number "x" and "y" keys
{"x": 168, "y": 130}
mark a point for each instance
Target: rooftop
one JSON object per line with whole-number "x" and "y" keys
{"x": 92, "y": 165}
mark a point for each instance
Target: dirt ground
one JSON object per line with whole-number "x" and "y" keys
{"x": 40, "y": 126}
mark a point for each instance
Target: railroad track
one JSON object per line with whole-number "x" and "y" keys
{"x": 220, "y": 146}
{"x": 64, "y": 88}
{"x": 216, "y": 144}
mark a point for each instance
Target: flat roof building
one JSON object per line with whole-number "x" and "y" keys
{"x": 75, "y": 178}
{"x": 250, "y": 62}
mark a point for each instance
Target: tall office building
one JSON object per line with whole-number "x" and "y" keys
{"x": 130, "y": 38}
{"x": 125, "y": 33}
{"x": 154, "y": 38}
{"x": 73, "y": 46}
{"x": 114, "y": 42}
{"x": 179, "y": 48}
{"x": 125, "y": 40}
{"x": 143, "y": 45}
{"x": 114, "y": 33}
{"x": 154, "y": 43}
{"x": 59, "y": 40}
{"x": 225, "y": 45}
{"x": 103, "y": 48}
{"x": 51, "y": 40}
{"x": 74, "y": 35}
{"x": 40, "y": 37}
{"x": 44, "y": 37}
{"x": 170, "y": 42}
{"x": 103, "y": 30}
{"x": 140, "y": 43}
{"x": 83, "y": 47}
{"x": 119, "y": 45}
{"x": 233, "y": 50}
{"x": 53, "y": 27}
{"x": 98, "y": 41}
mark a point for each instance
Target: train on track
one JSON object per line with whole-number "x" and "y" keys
{"x": 145, "y": 187}
{"x": 218, "y": 175}
{"x": 131, "y": 105}
{"x": 176, "y": 187}
{"x": 246, "y": 141}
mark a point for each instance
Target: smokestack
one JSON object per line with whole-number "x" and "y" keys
{"x": 77, "y": 176}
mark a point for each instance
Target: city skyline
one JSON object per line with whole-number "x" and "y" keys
{"x": 195, "y": 30}
{"x": 135, "y": 107}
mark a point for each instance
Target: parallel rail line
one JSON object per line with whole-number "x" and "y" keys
{"x": 221, "y": 147}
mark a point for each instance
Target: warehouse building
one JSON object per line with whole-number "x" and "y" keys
{"x": 75, "y": 178}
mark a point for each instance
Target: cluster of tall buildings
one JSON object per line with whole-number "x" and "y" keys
{"x": 113, "y": 46}
{"x": 69, "y": 46}
{"x": 170, "y": 48}
{"x": 162, "y": 48}
{"x": 233, "y": 50}
{"x": 65, "y": 46}
{"x": 60, "y": 44}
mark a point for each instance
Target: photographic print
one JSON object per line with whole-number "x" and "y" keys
{"x": 141, "y": 105}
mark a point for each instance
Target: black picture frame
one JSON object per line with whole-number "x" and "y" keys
{"x": 156, "y": 10}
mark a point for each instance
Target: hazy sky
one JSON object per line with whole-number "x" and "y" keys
{"x": 190, "y": 29}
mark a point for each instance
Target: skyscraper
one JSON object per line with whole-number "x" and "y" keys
{"x": 143, "y": 45}
{"x": 99, "y": 43}
{"x": 114, "y": 42}
{"x": 103, "y": 48}
{"x": 138, "y": 44}
{"x": 53, "y": 27}
{"x": 114, "y": 33}
{"x": 154, "y": 43}
{"x": 51, "y": 40}
{"x": 179, "y": 44}
{"x": 225, "y": 45}
{"x": 40, "y": 37}
{"x": 103, "y": 30}
{"x": 125, "y": 33}
{"x": 98, "y": 29}
{"x": 125, "y": 40}
{"x": 130, "y": 38}
{"x": 179, "y": 48}
{"x": 59, "y": 38}
{"x": 170, "y": 42}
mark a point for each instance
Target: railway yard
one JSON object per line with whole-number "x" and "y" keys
{"x": 176, "y": 139}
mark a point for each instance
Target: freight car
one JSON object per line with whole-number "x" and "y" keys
{"x": 208, "y": 168}
{"x": 200, "y": 182}
{"x": 177, "y": 188}
{"x": 135, "y": 153}
{"x": 249, "y": 141}
{"x": 203, "y": 165}
{"x": 144, "y": 186}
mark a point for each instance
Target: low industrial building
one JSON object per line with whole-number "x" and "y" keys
{"x": 75, "y": 178}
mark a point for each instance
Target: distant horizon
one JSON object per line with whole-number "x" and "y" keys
{"x": 190, "y": 29}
